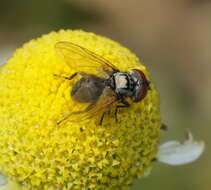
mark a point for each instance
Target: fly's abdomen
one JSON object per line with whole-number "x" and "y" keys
{"x": 88, "y": 89}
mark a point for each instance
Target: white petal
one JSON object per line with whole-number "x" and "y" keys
{"x": 3, "y": 180}
{"x": 176, "y": 153}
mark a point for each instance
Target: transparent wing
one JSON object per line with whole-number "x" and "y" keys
{"x": 107, "y": 100}
{"x": 81, "y": 59}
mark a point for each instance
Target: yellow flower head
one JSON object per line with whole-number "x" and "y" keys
{"x": 39, "y": 154}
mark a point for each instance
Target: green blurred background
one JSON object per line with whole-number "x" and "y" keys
{"x": 172, "y": 37}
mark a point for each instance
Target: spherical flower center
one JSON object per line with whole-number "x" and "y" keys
{"x": 38, "y": 153}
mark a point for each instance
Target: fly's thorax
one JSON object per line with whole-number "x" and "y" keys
{"x": 123, "y": 85}
{"x": 121, "y": 80}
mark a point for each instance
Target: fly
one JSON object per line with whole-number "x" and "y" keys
{"x": 101, "y": 84}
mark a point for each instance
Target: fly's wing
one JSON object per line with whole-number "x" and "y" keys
{"x": 81, "y": 59}
{"x": 106, "y": 101}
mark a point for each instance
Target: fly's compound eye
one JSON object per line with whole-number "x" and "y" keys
{"x": 141, "y": 86}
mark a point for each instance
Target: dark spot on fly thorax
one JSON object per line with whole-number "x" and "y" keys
{"x": 88, "y": 89}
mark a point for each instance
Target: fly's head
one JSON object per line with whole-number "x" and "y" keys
{"x": 140, "y": 85}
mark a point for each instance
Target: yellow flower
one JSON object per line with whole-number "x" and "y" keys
{"x": 39, "y": 154}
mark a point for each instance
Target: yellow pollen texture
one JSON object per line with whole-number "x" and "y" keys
{"x": 37, "y": 153}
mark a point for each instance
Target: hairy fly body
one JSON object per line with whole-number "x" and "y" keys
{"x": 106, "y": 87}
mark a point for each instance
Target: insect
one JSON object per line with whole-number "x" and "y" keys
{"x": 101, "y": 86}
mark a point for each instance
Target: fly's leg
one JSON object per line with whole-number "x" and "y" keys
{"x": 89, "y": 107}
{"x": 72, "y": 76}
{"x": 63, "y": 119}
{"x": 101, "y": 119}
{"x": 125, "y": 105}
